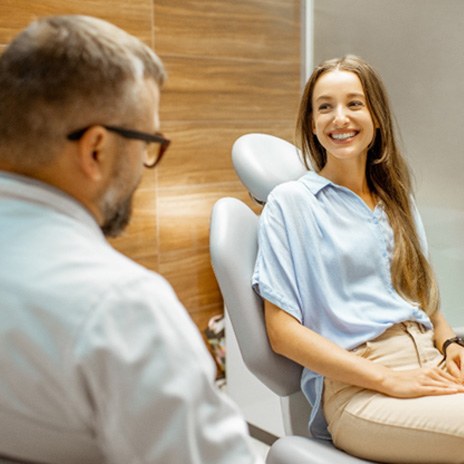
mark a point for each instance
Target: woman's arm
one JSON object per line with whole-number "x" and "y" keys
{"x": 454, "y": 352}
{"x": 293, "y": 340}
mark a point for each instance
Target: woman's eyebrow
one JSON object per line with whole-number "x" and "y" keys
{"x": 350, "y": 95}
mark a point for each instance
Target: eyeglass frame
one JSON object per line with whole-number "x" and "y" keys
{"x": 129, "y": 134}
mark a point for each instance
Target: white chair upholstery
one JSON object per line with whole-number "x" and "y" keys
{"x": 262, "y": 162}
{"x": 299, "y": 450}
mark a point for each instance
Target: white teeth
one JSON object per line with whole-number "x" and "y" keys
{"x": 343, "y": 136}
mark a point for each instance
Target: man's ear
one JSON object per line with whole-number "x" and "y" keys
{"x": 92, "y": 152}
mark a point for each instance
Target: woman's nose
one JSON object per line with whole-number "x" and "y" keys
{"x": 340, "y": 116}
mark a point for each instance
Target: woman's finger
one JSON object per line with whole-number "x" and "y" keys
{"x": 454, "y": 370}
{"x": 443, "y": 374}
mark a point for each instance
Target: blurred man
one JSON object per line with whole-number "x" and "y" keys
{"x": 99, "y": 361}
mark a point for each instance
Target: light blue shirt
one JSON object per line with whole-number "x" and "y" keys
{"x": 324, "y": 257}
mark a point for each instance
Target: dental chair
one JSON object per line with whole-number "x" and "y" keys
{"x": 263, "y": 161}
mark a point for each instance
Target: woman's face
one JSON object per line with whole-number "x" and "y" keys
{"x": 341, "y": 121}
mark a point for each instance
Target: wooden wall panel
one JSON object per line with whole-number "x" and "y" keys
{"x": 140, "y": 240}
{"x": 242, "y": 29}
{"x": 233, "y": 68}
{"x": 134, "y": 16}
{"x": 200, "y": 152}
{"x": 206, "y": 89}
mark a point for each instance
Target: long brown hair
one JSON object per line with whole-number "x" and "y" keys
{"x": 388, "y": 177}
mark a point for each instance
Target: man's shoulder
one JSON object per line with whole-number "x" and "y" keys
{"x": 107, "y": 269}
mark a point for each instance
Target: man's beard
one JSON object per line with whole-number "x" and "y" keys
{"x": 116, "y": 216}
{"x": 116, "y": 202}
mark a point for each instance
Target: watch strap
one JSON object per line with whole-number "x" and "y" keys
{"x": 458, "y": 340}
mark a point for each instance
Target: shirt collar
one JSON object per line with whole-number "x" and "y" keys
{"x": 35, "y": 191}
{"x": 315, "y": 182}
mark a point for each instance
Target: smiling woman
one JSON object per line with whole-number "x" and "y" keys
{"x": 349, "y": 293}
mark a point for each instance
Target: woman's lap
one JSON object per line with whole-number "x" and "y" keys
{"x": 419, "y": 430}
{"x": 385, "y": 429}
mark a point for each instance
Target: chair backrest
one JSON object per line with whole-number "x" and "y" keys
{"x": 233, "y": 247}
{"x": 262, "y": 162}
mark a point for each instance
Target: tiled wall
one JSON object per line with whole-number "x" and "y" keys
{"x": 234, "y": 67}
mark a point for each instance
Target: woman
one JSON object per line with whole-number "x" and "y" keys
{"x": 349, "y": 293}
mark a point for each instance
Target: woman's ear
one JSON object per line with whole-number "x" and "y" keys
{"x": 92, "y": 152}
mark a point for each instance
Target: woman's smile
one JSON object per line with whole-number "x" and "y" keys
{"x": 343, "y": 136}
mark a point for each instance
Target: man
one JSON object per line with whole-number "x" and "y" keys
{"x": 99, "y": 361}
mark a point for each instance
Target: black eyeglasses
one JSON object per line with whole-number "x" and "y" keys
{"x": 158, "y": 144}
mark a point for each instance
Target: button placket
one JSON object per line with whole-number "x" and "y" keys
{"x": 383, "y": 243}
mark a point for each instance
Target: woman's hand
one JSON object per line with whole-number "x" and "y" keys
{"x": 420, "y": 382}
{"x": 454, "y": 352}
{"x": 455, "y": 362}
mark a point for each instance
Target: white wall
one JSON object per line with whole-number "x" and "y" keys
{"x": 417, "y": 46}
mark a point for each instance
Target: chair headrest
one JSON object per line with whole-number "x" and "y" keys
{"x": 263, "y": 161}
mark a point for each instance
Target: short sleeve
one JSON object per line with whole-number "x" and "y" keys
{"x": 274, "y": 277}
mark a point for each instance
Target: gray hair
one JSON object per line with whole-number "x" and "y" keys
{"x": 63, "y": 73}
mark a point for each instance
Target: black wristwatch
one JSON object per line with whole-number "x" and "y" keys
{"x": 458, "y": 340}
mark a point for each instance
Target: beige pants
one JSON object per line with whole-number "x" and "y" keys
{"x": 427, "y": 430}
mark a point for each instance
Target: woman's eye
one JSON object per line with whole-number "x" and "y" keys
{"x": 356, "y": 104}
{"x": 323, "y": 107}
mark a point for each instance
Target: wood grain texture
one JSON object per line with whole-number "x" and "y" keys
{"x": 200, "y": 154}
{"x": 134, "y": 16}
{"x": 205, "y": 89}
{"x": 187, "y": 229}
{"x": 195, "y": 174}
{"x": 192, "y": 278}
{"x": 243, "y": 29}
{"x": 140, "y": 240}
{"x": 233, "y": 68}
{"x": 186, "y": 214}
